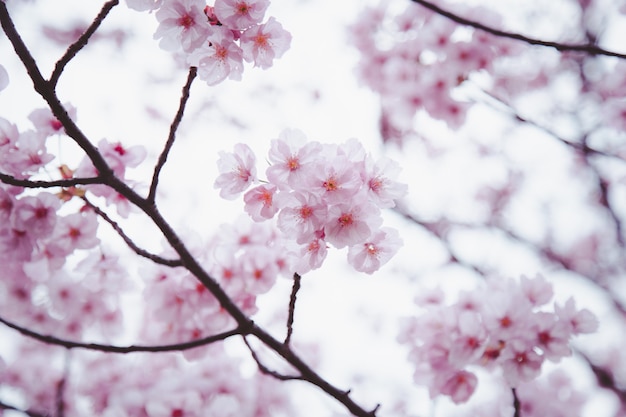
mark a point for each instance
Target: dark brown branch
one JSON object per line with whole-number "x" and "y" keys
{"x": 172, "y": 135}
{"x": 131, "y": 244}
{"x": 292, "y": 306}
{"x": 516, "y": 405}
{"x": 71, "y": 182}
{"x": 5, "y": 406}
{"x": 74, "y": 48}
{"x": 589, "y": 49}
{"x": 264, "y": 369}
{"x": 175, "y": 347}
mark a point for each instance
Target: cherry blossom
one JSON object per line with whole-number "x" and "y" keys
{"x": 262, "y": 44}
{"x": 237, "y": 171}
{"x": 45, "y": 122}
{"x": 182, "y": 25}
{"x": 240, "y": 14}
{"x": 219, "y": 57}
{"x": 144, "y": 5}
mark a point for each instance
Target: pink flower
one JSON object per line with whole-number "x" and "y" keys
{"x": 237, "y": 171}
{"x": 36, "y": 214}
{"x": 77, "y": 231}
{"x": 520, "y": 363}
{"x": 301, "y": 216}
{"x": 312, "y": 255}
{"x": 578, "y": 321}
{"x": 182, "y": 25}
{"x": 119, "y": 157}
{"x": 380, "y": 180}
{"x": 262, "y": 44}
{"x": 144, "y": 5}
{"x": 45, "y": 122}
{"x": 335, "y": 180}
{"x": 460, "y": 386}
{"x": 290, "y": 157}
{"x": 260, "y": 202}
{"x": 240, "y": 14}
{"x": 350, "y": 224}
{"x": 219, "y": 57}
{"x": 368, "y": 257}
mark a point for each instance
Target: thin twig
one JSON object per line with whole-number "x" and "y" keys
{"x": 131, "y": 244}
{"x": 5, "y": 406}
{"x": 292, "y": 306}
{"x": 264, "y": 369}
{"x": 80, "y": 43}
{"x": 174, "y": 347}
{"x": 172, "y": 135}
{"x": 516, "y": 404}
{"x": 585, "y": 48}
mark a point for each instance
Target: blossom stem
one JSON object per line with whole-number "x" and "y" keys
{"x": 292, "y": 306}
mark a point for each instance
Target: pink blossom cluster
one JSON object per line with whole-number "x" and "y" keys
{"x": 245, "y": 259}
{"x": 217, "y": 39}
{"x": 140, "y": 385}
{"x": 321, "y": 194}
{"x": 502, "y": 326}
{"x": 416, "y": 60}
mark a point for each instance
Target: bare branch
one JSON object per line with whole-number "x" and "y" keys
{"x": 264, "y": 369}
{"x": 516, "y": 405}
{"x": 172, "y": 135}
{"x": 131, "y": 244}
{"x": 292, "y": 306}
{"x": 5, "y": 406}
{"x": 589, "y": 49}
{"x": 74, "y": 48}
{"x": 71, "y": 182}
{"x": 174, "y": 347}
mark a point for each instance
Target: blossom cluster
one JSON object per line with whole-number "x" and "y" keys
{"x": 217, "y": 39}
{"x": 501, "y": 326}
{"x": 321, "y": 194}
{"x": 417, "y": 59}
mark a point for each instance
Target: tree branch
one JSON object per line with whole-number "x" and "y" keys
{"x": 74, "y": 48}
{"x": 172, "y": 135}
{"x": 516, "y": 404}
{"x": 292, "y": 306}
{"x": 5, "y": 406}
{"x": 65, "y": 183}
{"x": 589, "y": 49}
{"x": 264, "y": 369}
{"x": 174, "y": 347}
{"x": 131, "y": 244}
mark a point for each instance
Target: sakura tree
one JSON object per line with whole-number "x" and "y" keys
{"x": 209, "y": 256}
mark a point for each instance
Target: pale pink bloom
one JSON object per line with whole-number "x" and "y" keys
{"x": 578, "y": 321}
{"x": 36, "y": 215}
{"x": 334, "y": 180}
{"x": 237, "y": 171}
{"x": 180, "y": 403}
{"x": 368, "y": 257}
{"x": 219, "y": 57}
{"x": 119, "y": 157}
{"x": 312, "y": 255}
{"x": 301, "y": 216}
{"x": 31, "y": 154}
{"x": 259, "y": 271}
{"x": 240, "y": 14}
{"x": 470, "y": 340}
{"x": 552, "y": 336}
{"x": 259, "y": 202}
{"x": 382, "y": 187}
{"x": 350, "y": 224}
{"x": 182, "y": 25}
{"x": 520, "y": 363}
{"x": 144, "y": 5}
{"x": 7, "y": 202}
{"x": 537, "y": 290}
{"x": 4, "y": 78}
{"x": 16, "y": 245}
{"x": 460, "y": 386}
{"x": 45, "y": 122}
{"x": 262, "y": 44}
{"x": 77, "y": 231}
{"x": 291, "y": 157}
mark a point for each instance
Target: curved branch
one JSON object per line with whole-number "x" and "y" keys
{"x": 5, "y": 406}
{"x": 131, "y": 244}
{"x": 74, "y": 48}
{"x": 172, "y": 135}
{"x": 585, "y": 48}
{"x": 71, "y": 182}
{"x": 174, "y": 347}
{"x": 264, "y": 369}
